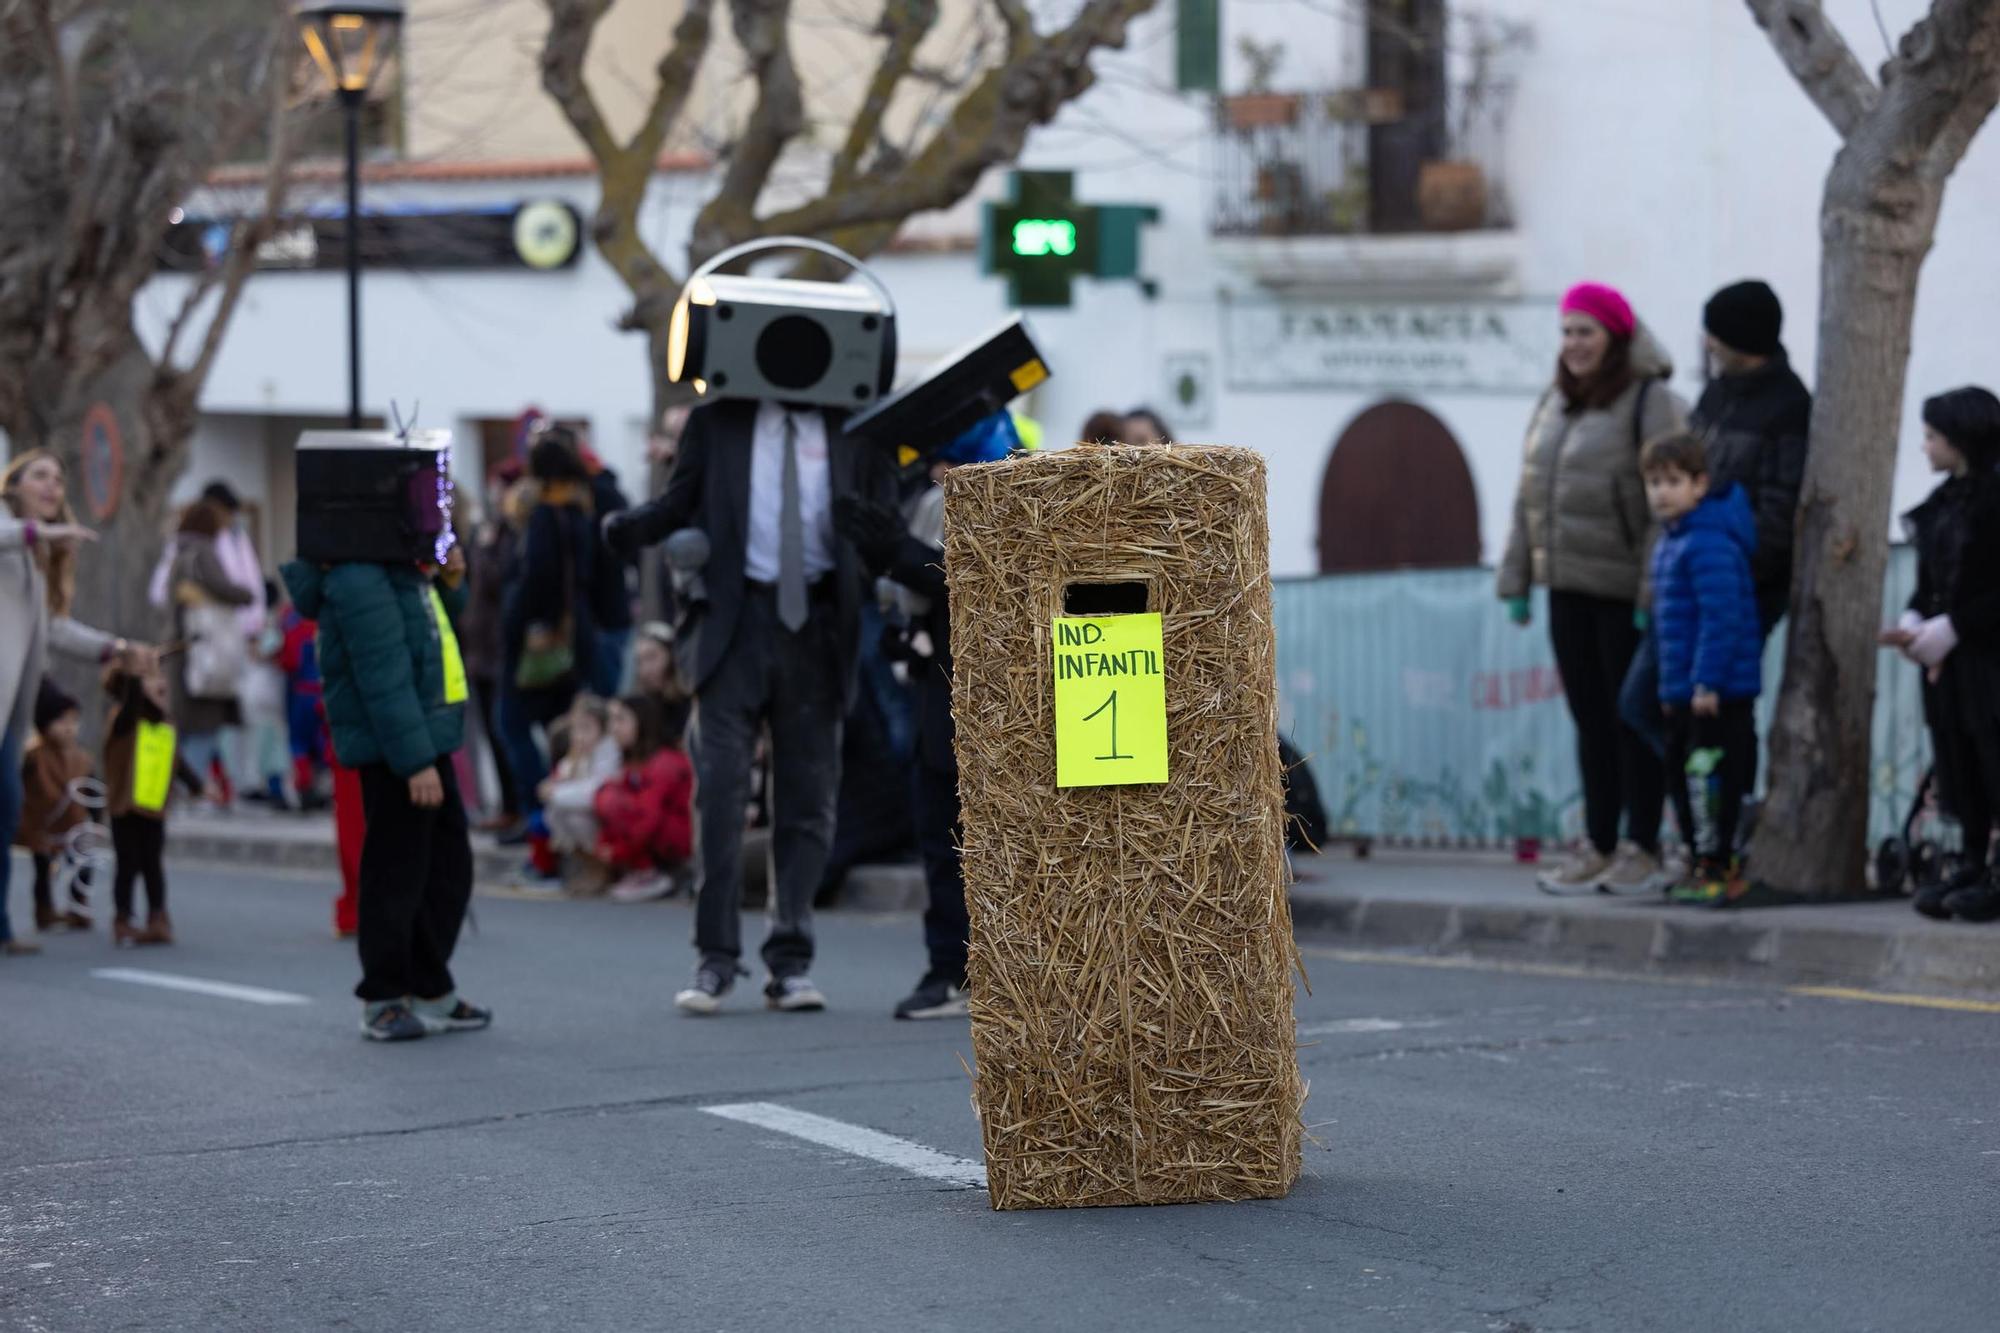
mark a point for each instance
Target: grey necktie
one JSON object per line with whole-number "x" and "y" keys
{"x": 791, "y": 539}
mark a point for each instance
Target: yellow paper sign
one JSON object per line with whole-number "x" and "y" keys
{"x": 454, "y": 663}
{"x": 152, "y": 766}
{"x": 1111, "y": 701}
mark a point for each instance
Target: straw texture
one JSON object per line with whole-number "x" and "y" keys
{"x": 1131, "y": 963}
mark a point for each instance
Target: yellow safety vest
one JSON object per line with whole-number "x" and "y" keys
{"x": 454, "y": 664}
{"x": 153, "y": 766}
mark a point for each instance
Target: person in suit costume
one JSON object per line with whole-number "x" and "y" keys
{"x": 773, "y": 646}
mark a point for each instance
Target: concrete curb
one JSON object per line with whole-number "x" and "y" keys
{"x": 1783, "y": 946}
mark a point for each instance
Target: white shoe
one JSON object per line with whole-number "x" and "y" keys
{"x": 644, "y": 887}
{"x": 793, "y": 995}
{"x": 1633, "y": 870}
{"x": 1581, "y": 873}
{"x": 705, "y": 996}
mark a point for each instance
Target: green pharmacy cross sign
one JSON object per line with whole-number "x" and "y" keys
{"x": 1041, "y": 239}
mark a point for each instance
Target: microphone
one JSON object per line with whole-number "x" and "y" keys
{"x": 687, "y": 554}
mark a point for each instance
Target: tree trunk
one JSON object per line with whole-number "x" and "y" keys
{"x": 1877, "y": 219}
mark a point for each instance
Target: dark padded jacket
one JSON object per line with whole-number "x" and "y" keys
{"x": 382, "y": 659}
{"x": 1754, "y": 428}
{"x": 1705, "y": 603}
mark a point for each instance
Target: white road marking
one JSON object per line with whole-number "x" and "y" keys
{"x": 857, "y": 1141}
{"x": 227, "y": 990}
{"x": 1342, "y": 1026}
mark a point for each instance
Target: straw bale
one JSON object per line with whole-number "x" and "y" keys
{"x": 1131, "y": 948}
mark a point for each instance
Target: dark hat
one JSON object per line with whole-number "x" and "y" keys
{"x": 220, "y": 493}
{"x": 1745, "y": 316}
{"x": 51, "y": 703}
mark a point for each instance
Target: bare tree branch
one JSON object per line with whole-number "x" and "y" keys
{"x": 987, "y": 128}
{"x": 776, "y": 119}
{"x": 1019, "y": 25}
{"x": 572, "y": 23}
{"x": 1819, "y": 58}
{"x": 905, "y": 23}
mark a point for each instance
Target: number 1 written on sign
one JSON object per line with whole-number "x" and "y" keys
{"x": 1114, "y": 737}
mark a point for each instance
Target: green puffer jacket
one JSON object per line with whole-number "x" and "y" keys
{"x": 382, "y": 662}
{"x": 1581, "y": 523}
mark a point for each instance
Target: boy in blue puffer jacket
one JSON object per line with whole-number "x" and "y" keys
{"x": 1711, "y": 657}
{"x": 395, "y": 691}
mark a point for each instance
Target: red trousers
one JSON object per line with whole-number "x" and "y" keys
{"x": 350, "y": 826}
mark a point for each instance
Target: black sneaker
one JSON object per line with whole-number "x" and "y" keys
{"x": 793, "y": 995}
{"x": 1978, "y": 903}
{"x": 1930, "y": 899}
{"x": 391, "y": 1021}
{"x": 934, "y": 997}
{"x": 451, "y": 1014}
{"x": 705, "y": 996}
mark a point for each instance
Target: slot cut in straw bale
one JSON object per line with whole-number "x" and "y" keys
{"x": 1131, "y": 949}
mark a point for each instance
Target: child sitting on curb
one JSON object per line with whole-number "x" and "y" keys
{"x": 569, "y": 794}
{"x": 1711, "y": 659}
{"x": 54, "y": 762}
{"x": 645, "y": 813}
{"x": 395, "y": 691}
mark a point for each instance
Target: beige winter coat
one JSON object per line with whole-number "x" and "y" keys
{"x": 1581, "y": 522}
{"x": 28, "y": 633}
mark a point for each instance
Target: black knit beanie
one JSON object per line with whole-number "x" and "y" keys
{"x": 1745, "y": 316}
{"x": 1970, "y": 419}
{"x": 51, "y": 703}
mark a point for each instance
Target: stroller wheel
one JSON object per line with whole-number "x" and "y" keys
{"x": 1892, "y": 866}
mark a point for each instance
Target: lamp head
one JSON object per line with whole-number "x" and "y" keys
{"x": 349, "y": 39}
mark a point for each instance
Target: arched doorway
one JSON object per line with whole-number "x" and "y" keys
{"x": 1397, "y": 495}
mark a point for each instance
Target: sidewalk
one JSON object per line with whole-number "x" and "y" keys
{"x": 1487, "y": 906}
{"x": 249, "y": 836}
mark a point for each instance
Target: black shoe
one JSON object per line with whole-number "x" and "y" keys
{"x": 934, "y": 997}
{"x": 391, "y": 1022}
{"x": 705, "y": 996}
{"x": 1930, "y": 899}
{"x": 1979, "y": 903}
{"x": 513, "y": 837}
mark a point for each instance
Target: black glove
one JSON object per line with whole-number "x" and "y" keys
{"x": 615, "y": 529}
{"x": 876, "y": 530}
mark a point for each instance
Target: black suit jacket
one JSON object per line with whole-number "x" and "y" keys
{"x": 710, "y": 489}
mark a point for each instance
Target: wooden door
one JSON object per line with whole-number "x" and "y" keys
{"x": 1397, "y": 495}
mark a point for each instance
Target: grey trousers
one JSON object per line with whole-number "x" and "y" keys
{"x": 790, "y": 683}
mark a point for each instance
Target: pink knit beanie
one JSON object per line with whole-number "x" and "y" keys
{"x": 1603, "y": 304}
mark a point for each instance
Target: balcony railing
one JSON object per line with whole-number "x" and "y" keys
{"x": 1354, "y": 162}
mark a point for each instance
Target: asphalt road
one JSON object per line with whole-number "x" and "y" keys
{"x": 1496, "y": 1152}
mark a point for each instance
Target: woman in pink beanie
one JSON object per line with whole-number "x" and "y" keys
{"x": 1582, "y": 529}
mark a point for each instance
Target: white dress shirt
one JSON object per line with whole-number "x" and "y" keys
{"x": 767, "y": 493}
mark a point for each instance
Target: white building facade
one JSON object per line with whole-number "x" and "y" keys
{"x": 1385, "y": 361}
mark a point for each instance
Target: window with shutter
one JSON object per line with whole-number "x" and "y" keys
{"x": 1198, "y": 45}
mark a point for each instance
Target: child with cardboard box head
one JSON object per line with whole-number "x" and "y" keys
{"x": 395, "y": 689}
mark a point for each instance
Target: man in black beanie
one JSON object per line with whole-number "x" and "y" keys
{"x": 1752, "y": 418}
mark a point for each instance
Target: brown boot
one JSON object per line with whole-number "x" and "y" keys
{"x": 76, "y": 920}
{"x": 158, "y": 930}
{"x": 124, "y": 934}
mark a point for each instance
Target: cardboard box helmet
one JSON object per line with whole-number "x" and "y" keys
{"x": 375, "y": 496}
{"x": 829, "y": 344}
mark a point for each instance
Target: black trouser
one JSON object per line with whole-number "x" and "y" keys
{"x": 1594, "y": 640}
{"x": 938, "y": 836}
{"x": 1712, "y": 764}
{"x": 45, "y": 899}
{"x": 1967, "y": 767}
{"x": 486, "y": 692}
{"x": 416, "y": 879}
{"x": 792, "y": 683}
{"x": 139, "y": 841}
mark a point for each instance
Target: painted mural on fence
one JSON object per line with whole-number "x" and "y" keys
{"x": 1428, "y": 718}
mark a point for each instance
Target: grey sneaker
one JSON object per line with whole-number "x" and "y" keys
{"x": 451, "y": 1014}
{"x": 705, "y": 996}
{"x": 1633, "y": 870}
{"x": 1581, "y": 873}
{"x": 390, "y": 1020}
{"x": 935, "y": 997}
{"x": 793, "y": 995}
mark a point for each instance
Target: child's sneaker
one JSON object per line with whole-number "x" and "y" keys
{"x": 1634, "y": 870}
{"x": 451, "y": 1014}
{"x": 1581, "y": 872}
{"x": 390, "y": 1020}
{"x": 1704, "y": 888}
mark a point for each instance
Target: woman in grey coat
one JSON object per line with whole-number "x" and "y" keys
{"x": 39, "y": 537}
{"x": 1583, "y": 530}
{"x": 200, "y": 591}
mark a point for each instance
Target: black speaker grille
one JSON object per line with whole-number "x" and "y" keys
{"x": 794, "y": 352}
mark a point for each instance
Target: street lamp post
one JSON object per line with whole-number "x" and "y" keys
{"x": 349, "y": 43}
